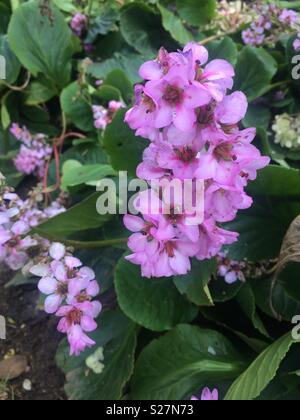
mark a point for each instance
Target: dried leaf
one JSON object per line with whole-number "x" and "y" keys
{"x": 13, "y": 367}
{"x": 290, "y": 250}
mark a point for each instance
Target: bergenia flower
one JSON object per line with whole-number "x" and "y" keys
{"x": 192, "y": 121}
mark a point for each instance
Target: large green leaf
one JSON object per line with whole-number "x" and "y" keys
{"x": 76, "y": 108}
{"x": 129, "y": 63}
{"x": 255, "y": 69}
{"x": 124, "y": 149}
{"x": 142, "y": 28}
{"x": 258, "y": 116}
{"x": 276, "y": 181}
{"x": 102, "y": 24}
{"x": 175, "y": 26}
{"x": 274, "y": 300}
{"x": 196, "y": 13}
{"x": 195, "y": 284}
{"x": 119, "y": 80}
{"x": 38, "y": 93}
{"x": 82, "y": 216}
{"x": 4, "y": 17}
{"x": 74, "y": 173}
{"x": 262, "y": 228}
{"x": 116, "y": 337}
{"x": 262, "y": 371}
{"x": 183, "y": 361}
{"x": 41, "y": 39}
{"x": 153, "y": 303}
{"x": 246, "y": 300}
{"x": 225, "y": 49}
{"x": 103, "y": 263}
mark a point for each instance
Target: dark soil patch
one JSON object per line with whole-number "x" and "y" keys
{"x": 30, "y": 333}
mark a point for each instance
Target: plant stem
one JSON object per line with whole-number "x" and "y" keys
{"x": 84, "y": 245}
{"x": 215, "y": 37}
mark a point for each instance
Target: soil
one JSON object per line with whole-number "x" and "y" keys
{"x": 30, "y": 333}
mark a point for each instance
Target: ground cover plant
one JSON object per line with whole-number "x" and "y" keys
{"x": 105, "y": 103}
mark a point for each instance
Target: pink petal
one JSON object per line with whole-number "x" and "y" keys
{"x": 93, "y": 289}
{"x": 57, "y": 251}
{"x": 40, "y": 270}
{"x": 184, "y": 119}
{"x": 52, "y": 303}
{"x": 134, "y": 223}
{"x": 47, "y": 285}
{"x": 232, "y": 109}
{"x": 151, "y": 70}
{"x": 88, "y": 324}
{"x": 196, "y": 95}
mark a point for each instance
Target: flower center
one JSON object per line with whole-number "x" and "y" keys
{"x": 224, "y": 152}
{"x": 62, "y": 289}
{"x": 169, "y": 248}
{"x": 173, "y": 95}
{"x": 74, "y": 316}
{"x": 206, "y": 114}
{"x": 148, "y": 103}
{"x": 185, "y": 154}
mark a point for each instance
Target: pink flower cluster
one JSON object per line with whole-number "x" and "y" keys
{"x": 79, "y": 24}
{"x": 70, "y": 289}
{"x": 103, "y": 117}
{"x": 208, "y": 395}
{"x": 34, "y": 152}
{"x": 185, "y": 110}
{"x": 230, "y": 270}
{"x": 17, "y": 217}
{"x": 297, "y": 43}
{"x": 272, "y": 22}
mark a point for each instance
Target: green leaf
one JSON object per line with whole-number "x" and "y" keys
{"x": 116, "y": 341}
{"x": 274, "y": 300}
{"x": 12, "y": 64}
{"x": 4, "y": 17}
{"x": 276, "y": 181}
{"x": 246, "y": 300}
{"x": 262, "y": 371}
{"x": 153, "y": 303}
{"x": 74, "y": 173}
{"x": 38, "y": 93}
{"x": 226, "y": 49}
{"x": 142, "y": 29}
{"x": 182, "y": 362}
{"x": 77, "y": 108}
{"x": 118, "y": 79}
{"x": 41, "y": 39}
{"x": 196, "y": 13}
{"x": 102, "y": 24}
{"x": 255, "y": 70}
{"x": 108, "y": 93}
{"x": 124, "y": 149}
{"x": 66, "y": 6}
{"x": 195, "y": 284}
{"x": 82, "y": 216}
{"x": 174, "y": 25}
{"x": 262, "y": 229}
{"x": 129, "y": 63}
{"x": 103, "y": 263}
{"x": 257, "y": 116}
{"x": 222, "y": 291}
